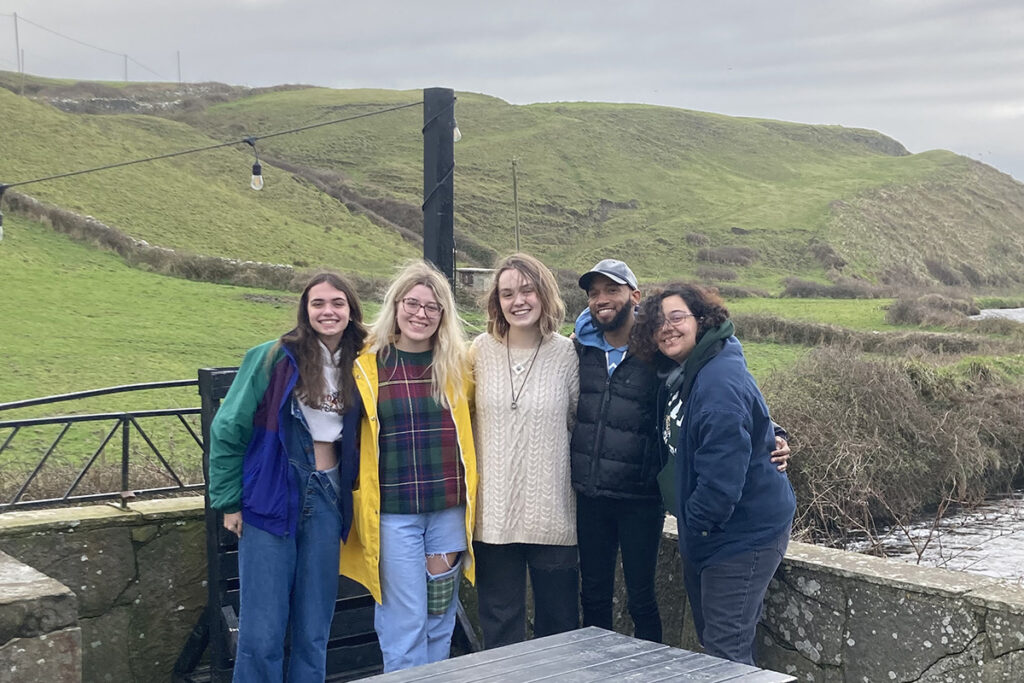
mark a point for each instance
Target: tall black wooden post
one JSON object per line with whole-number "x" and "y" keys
{"x": 438, "y": 185}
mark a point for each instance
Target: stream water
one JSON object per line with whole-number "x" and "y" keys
{"x": 988, "y": 540}
{"x": 985, "y": 540}
{"x": 1010, "y": 313}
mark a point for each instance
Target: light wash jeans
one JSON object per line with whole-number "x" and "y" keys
{"x": 408, "y": 635}
{"x": 290, "y": 584}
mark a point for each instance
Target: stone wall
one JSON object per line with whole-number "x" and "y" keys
{"x": 838, "y": 617}
{"x": 138, "y": 579}
{"x": 39, "y": 635}
{"x": 139, "y": 576}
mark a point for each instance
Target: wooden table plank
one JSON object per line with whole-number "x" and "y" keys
{"x": 584, "y": 655}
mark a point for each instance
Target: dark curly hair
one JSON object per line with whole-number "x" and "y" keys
{"x": 704, "y": 302}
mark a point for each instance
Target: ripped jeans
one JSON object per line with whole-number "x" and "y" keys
{"x": 409, "y": 633}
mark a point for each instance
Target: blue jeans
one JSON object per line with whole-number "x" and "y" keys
{"x": 408, "y": 635}
{"x": 290, "y": 584}
{"x": 726, "y": 598}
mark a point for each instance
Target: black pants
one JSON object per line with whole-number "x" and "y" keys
{"x": 501, "y": 590}
{"x": 603, "y": 525}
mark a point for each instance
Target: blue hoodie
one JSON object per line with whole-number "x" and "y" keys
{"x": 733, "y": 497}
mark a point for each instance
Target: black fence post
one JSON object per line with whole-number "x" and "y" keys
{"x": 438, "y": 179}
{"x": 213, "y": 386}
{"x": 125, "y": 455}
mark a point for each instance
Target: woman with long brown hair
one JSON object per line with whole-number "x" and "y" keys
{"x": 283, "y": 461}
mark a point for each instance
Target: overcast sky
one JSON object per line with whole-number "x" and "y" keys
{"x": 931, "y": 73}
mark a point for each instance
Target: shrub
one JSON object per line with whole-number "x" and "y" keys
{"x": 568, "y": 286}
{"x": 697, "y": 239}
{"x": 827, "y": 256}
{"x": 737, "y": 256}
{"x": 947, "y": 275}
{"x": 715, "y": 274}
{"x": 843, "y": 288}
{"x": 931, "y": 310}
{"x": 879, "y": 441}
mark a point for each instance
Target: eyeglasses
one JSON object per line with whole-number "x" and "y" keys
{"x": 674, "y": 318}
{"x": 431, "y": 309}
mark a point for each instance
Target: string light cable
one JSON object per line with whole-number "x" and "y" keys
{"x": 248, "y": 140}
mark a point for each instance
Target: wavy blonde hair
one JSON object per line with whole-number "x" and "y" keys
{"x": 540, "y": 276}
{"x": 448, "y": 342}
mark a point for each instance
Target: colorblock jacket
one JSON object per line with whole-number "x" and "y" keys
{"x": 252, "y": 435}
{"x": 360, "y": 557}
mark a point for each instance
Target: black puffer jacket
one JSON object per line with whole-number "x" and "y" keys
{"x": 615, "y": 448}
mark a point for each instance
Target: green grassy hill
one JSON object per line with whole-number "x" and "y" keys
{"x": 658, "y": 185}
{"x": 199, "y": 203}
{"x": 677, "y": 192}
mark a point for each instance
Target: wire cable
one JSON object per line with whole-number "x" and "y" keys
{"x": 94, "y": 47}
{"x": 248, "y": 140}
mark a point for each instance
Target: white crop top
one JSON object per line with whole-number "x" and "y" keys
{"x": 324, "y": 418}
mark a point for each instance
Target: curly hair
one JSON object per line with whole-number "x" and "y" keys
{"x": 540, "y": 276}
{"x": 704, "y": 302}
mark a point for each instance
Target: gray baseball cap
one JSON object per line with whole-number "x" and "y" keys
{"x": 614, "y": 270}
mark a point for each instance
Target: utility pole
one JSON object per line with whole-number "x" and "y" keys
{"x": 125, "y": 68}
{"x": 438, "y": 183}
{"x": 17, "y": 46}
{"x": 179, "y": 67}
{"x": 515, "y": 195}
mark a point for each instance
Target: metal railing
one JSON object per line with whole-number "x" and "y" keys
{"x": 122, "y": 422}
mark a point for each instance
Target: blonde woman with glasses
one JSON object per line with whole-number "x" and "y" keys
{"x": 414, "y": 506}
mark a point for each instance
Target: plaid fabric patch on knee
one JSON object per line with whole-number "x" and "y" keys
{"x": 441, "y": 589}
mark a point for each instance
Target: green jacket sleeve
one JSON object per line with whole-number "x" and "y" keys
{"x": 232, "y": 428}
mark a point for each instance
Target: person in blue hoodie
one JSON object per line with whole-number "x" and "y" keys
{"x": 283, "y": 461}
{"x": 616, "y": 455}
{"x": 734, "y": 507}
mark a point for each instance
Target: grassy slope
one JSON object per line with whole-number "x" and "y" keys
{"x": 686, "y": 172}
{"x": 199, "y": 203}
{"x": 79, "y": 319}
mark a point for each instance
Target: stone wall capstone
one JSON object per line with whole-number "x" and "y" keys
{"x": 139, "y": 576}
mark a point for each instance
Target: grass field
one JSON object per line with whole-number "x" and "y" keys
{"x": 651, "y": 184}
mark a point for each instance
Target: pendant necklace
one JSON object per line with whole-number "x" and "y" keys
{"x": 512, "y": 383}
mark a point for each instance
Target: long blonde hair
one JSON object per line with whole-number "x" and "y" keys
{"x": 448, "y": 342}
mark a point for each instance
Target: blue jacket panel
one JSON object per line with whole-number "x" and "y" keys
{"x": 259, "y": 405}
{"x": 732, "y": 496}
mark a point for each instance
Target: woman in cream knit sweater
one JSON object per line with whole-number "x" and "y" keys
{"x": 527, "y": 385}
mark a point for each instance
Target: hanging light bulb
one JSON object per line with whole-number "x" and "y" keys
{"x": 257, "y": 177}
{"x": 257, "y": 170}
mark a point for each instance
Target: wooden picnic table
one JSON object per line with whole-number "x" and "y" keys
{"x": 589, "y": 654}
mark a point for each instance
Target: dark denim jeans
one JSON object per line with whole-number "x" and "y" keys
{"x": 501, "y": 590}
{"x": 726, "y": 599}
{"x": 603, "y": 525}
{"x": 290, "y": 584}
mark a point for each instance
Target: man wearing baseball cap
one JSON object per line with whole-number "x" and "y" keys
{"x": 615, "y": 454}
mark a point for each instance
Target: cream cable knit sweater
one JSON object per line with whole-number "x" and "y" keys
{"x": 524, "y": 494}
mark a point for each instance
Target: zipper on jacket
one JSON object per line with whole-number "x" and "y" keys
{"x": 598, "y": 438}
